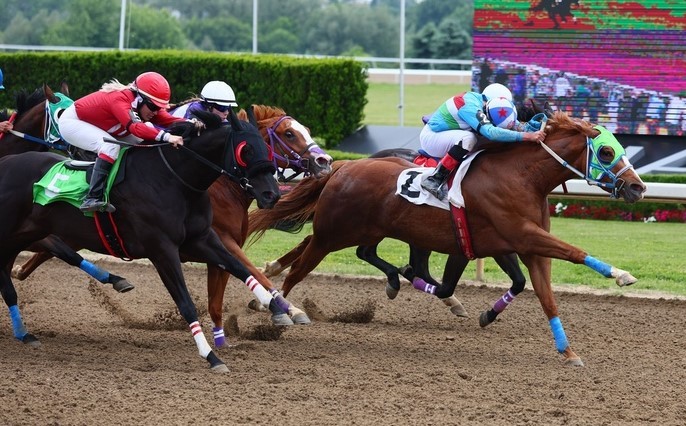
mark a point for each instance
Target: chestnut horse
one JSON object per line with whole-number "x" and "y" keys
{"x": 505, "y": 194}
{"x": 293, "y": 148}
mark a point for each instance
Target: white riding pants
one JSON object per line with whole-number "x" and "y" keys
{"x": 86, "y": 136}
{"x": 437, "y": 144}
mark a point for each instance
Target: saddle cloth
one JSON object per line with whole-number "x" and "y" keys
{"x": 409, "y": 186}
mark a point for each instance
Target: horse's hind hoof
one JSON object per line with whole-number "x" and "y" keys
{"x": 122, "y": 286}
{"x": 391, "y": 293}
{"x": 220, "y": 368}
{"x": 281, "y": 319}
{"x": 483, "y": 319}
{"x": 301, "y": 319}
{"x": 31, "y": 340}
{"x": 255, "y": 305}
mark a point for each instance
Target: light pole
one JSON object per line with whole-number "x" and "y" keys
{"x": 122, "y": 20}
{"x": 254, "y": 27}
{"x": 401, "y": 75}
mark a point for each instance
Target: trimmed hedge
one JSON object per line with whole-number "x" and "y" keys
{"x": 327, "y": 94}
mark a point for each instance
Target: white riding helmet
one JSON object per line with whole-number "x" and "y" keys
{"x": 497, "y": 90}
{"x": 218, "y": 92}
{"x": 501, "y": 112}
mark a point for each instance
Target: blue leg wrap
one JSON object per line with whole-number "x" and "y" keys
{"x": 598, "y": 266}
{"x": 95, "y": 272}
{"x": 561, "y": 342}
{"x": 17, "y": 324}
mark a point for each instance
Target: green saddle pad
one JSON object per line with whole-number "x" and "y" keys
{"x": 64, "y": 184}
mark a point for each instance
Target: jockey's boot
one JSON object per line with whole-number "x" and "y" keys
{"x": 95, "y": 200}
{"x": 434, "y": 184}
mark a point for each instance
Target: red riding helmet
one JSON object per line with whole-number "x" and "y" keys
{"x": 154, "y": 87}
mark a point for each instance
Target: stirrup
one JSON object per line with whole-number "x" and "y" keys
{"x": 93, "y": 205}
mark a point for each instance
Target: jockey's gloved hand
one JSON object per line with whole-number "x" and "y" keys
{"x": 536, "y": 122}
{"x": 197, "y": 125}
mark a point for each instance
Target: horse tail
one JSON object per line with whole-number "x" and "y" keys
{"x": 294, "y": 209}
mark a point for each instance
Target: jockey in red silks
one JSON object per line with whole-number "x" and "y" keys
{"x": 130, "y": 113}
{"x": 450, "y": 133}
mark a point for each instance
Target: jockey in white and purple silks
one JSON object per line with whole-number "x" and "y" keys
{"x": 216, "y": 97}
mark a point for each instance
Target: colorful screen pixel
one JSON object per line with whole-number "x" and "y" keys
{"x": 617, "y": 63}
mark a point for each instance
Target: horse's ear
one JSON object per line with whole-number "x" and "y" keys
{"x": 49, "y": 94}
{"x": 251, "y": 115}
{"x": 64, "y": 88}
{"x": 234, "y": 121}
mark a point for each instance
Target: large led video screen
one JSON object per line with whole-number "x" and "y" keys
{"x": 618, "y": 63}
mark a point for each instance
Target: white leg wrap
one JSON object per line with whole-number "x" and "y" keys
{"x": 260, "y": 292}
{"x": 200, "y": 341}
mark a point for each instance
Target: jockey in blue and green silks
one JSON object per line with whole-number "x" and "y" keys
{"x": 450, "y": 133}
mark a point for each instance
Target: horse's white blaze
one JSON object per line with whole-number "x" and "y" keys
{"x": 302, "y": 130}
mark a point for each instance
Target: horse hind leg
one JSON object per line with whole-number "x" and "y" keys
{"x": 275, "y": 267}
{"x": 509, "y": 263}
{"x": 370, "y": 255}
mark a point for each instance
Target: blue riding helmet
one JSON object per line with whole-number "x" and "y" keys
{"x": 1, "y": 80}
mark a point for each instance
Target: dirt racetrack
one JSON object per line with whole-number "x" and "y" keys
{"x": 120, "y": 359}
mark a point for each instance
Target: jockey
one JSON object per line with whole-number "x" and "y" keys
{"x": 5, "y": 126}
{"x": 451, "y": 131}
{"x": 216, "y": 96}
{"x": 128, "y": 113}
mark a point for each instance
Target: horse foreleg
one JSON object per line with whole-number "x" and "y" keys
{"x": 510, "y": 264}
{"x": 275, "y": 267}
{"x": 296, "y": 315}
{"x": 9, "y": 295}
{"x": 216, "y": 285}
{"x": 168, "y": 266}
{"x": 540, "y": 272}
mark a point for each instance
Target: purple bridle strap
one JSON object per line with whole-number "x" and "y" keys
{"x": 299, "y": 164}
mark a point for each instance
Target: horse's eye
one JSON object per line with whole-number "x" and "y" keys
{"x": 289, "y": 134}
{"x": 606, "y": 154}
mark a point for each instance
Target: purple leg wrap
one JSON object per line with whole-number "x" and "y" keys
{"x": 219, "y": 339}
{"x": 503, "y": 302}
{"x": 280, "y": 300}
{"x": 422, "y": 285}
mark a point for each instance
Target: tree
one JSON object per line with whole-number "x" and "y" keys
{"x": 452, "y": 42}
{"x": 88, "y": 23}
{"x": 154, "y": 29}
{"x": 222, "y": 33}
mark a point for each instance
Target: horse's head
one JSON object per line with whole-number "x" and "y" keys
{"x": 291, "y": 142}
{"x": 605, "y": 163}
{"x": 29, "y": 119}
{"x": 247, "y": 160}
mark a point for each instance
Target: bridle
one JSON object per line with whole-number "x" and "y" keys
{"x": 293, "y": 160}
{"x": 615, "y": 185}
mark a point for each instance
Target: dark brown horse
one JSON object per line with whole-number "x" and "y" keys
{"x": 294, "y": 149}
{"x": 175, "y": 228}
{"x": 32, "y": 124}
{"x": 505, "y": 194}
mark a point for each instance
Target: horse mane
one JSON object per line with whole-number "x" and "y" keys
{"x": 26, "y": 101}
{"x": 262, "y": 112}
{"x": 559, "y": 125}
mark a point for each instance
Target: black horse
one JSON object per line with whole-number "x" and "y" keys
{"x": 163, "y": 214}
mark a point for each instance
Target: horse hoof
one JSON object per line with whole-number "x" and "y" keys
{"x": 459, "y": 311}
{"x": 573, "y": 362}
{"x": 281, "y": 319}
{"x": 391, "y": 292}
{"x": 18, "y": 273}
{"x": 624, "y": 279}
{"x": 272, "y": 269}
{"x": 301, "y": 319}
{"x": 122, "y": 286}
{"x": 220, "y": 368}
{"x": 483, "y": 319}
{"x": 256, "y": 306}
{"x": 31, "y": 340}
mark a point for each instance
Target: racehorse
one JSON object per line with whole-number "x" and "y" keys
{"x": 164, "y": 215}
{"x": 33, "y": 122}
{"x": 505, "y": 193}
{"x": 418, "y": 265}
{"x": 292, "y": 148}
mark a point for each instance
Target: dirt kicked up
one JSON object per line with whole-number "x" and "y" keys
{"x": 128, "y": 359}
